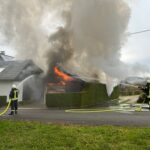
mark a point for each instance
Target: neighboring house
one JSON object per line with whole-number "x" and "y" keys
{"x": 15, "y": 72}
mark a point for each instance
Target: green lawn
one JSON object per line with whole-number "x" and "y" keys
{"x": 37, "y": 136}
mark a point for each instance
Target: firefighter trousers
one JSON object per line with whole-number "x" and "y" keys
{"x": 14, "y": 106}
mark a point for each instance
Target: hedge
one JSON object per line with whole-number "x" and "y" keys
{"x": 3, "y": 100}
{"x": 93, "y": 94}
{"x": 116, "y": 92}
{"x": 63, "y": 100}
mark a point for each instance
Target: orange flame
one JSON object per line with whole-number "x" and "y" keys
{"x": 62, "y": 75}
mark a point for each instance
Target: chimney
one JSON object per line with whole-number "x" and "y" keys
{"x": 2, "y": 52}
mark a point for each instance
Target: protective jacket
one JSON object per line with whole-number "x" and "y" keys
{"x": 14, "y": 94}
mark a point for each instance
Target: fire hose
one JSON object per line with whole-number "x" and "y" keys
{"x": 6, "y": 109}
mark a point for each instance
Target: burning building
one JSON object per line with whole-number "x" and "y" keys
{"x": 60, "y": 80}
{"x": 64, "y": 89}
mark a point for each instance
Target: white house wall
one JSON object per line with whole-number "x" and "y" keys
{"x": 5, "y": 88}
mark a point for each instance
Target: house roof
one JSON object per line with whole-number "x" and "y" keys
{"x": 4, "y": 57}
{"x": 17, "y": 70}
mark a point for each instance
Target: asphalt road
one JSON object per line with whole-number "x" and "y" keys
{"x": 90, "y": 118}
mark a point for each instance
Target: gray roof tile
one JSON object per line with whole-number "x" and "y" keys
{"x": 17, "y": 70}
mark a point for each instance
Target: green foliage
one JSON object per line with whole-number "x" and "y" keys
{"x": 63, "y": 100}
{"x": 37, "y": 136}
{"x": 93, "y": 94}
{"x": 3, "y": 101}
{"x": 115, "y": 93}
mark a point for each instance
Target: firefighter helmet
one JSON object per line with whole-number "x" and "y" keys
{"x": 14, "y": 86}
{"x": 148, "y": 81}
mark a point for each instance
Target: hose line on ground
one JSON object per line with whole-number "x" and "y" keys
{"x": 2, "y": 113}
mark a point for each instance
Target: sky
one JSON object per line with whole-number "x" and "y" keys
{"x": 137, "y": 47}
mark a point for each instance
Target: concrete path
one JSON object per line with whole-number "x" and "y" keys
{"x": 122, "y": 118}
{"x": 128, "y": 99}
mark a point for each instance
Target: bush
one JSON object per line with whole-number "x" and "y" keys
{"x": 63, "y": 100}
{"x": 115, "y": 93}
{"x": 94, "y": 94}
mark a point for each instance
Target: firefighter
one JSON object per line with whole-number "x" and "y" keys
{"x": 14, "y": 99}
{"x": 146, "y": 93}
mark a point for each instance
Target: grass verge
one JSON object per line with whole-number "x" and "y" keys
{"x": 17, "y": 135}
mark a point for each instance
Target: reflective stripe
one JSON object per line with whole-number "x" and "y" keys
{"x": 15, "y": 95}
{"x": 14, "y": 99}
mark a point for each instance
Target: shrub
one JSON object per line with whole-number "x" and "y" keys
{"x": 63, "y": 100}
{"x": 115, "y": 93}
{"x": 94, "y": 94}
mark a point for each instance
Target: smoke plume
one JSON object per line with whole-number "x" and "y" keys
{"x": 95, "y": 32}
{"x": 85, "y": 36}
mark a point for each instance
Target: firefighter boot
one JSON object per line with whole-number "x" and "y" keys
{"x": 16, "y": 112}
{"x": 11, "y": 113}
